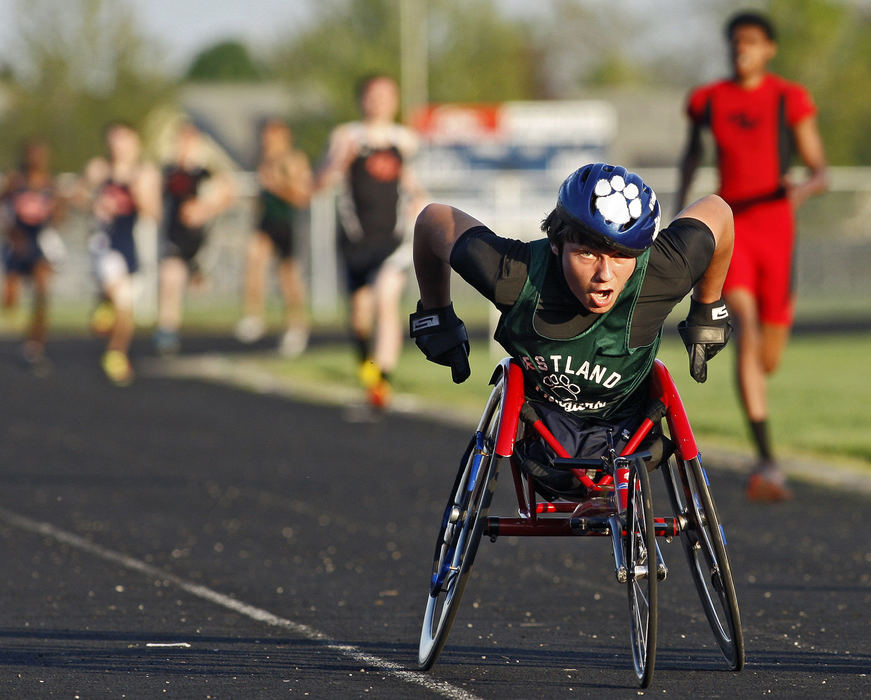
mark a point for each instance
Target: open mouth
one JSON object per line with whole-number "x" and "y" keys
{"x": 601, "y": 297}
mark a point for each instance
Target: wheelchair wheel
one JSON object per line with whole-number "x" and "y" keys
{"x": 640, "y": 552}
{"x": 460, "y": 533}
{"x": 705, "y": 547}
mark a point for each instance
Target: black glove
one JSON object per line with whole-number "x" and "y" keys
{"x": 442, "y": 337}
{"x": 704, "y": 333}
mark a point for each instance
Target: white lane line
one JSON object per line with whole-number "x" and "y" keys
{"x": 260, "y": 615}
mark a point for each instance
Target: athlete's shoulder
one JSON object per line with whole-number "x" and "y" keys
{"x": 707, "y": 89}
{"x": 700, "y": 97}
{"x": 799, "y": 103}
{"x": 349, "y": 133}
{"x": 405, "y": 139}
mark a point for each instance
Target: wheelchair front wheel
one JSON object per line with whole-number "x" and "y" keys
{"x": 640, "y": 551}
{"x": 463, "y": 522}
{"x": 705, "y": 547}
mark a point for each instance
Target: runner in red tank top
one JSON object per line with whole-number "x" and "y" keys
{"x": 757, "y": 120}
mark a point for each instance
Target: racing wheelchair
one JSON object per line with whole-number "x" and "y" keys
{"x": 617, "y": 504}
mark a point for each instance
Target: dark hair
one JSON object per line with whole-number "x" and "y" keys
{"x": 750, "y": 18}
{"x": 560, "y": 228}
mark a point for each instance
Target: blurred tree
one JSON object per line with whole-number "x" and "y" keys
{"x": 79, "y": 64}
{"x": 826, "y": 46}
{"x": 226, "y": 61}
{"x": 476, "y": 54}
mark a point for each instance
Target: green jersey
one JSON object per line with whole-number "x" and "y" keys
{"x": 593, "y": 374}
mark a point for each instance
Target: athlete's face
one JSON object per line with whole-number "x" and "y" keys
{"x": 595, "y": 276}
{"x": 380, "y": 100}
{"x": 36, "y": 156}
{"x": 275, "y": 138}
{"x": 123, "y": 144}
{"x": 751, "y": 50}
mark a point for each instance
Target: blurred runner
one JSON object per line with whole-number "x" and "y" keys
{"x": 123, "y": 189}
{"x": 32, "y": 246}
{"x": 196, "y": 189}
{"x": 758, "y": 120}
{"x": 378, "y": 200}
{"x": 285, "y": 180}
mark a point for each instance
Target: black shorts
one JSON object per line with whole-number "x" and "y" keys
{"x": 280, "y": 232}
{"x": 363, "y": 262}
{"x": 184, "y": 244}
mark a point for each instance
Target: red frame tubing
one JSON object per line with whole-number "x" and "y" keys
{"x": 512, "y": 400}
{"x": 662, "y": 386}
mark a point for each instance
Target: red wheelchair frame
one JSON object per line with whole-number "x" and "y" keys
{"x": 618, "y": 504}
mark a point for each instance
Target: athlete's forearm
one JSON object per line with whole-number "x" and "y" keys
{"x": 810, "y": 149}
{"x": 688, "y": 166}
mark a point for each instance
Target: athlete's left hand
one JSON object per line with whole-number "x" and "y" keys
{"x": 705, "y": 332}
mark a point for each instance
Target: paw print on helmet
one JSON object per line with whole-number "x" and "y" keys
{"x": 617, "y": 201}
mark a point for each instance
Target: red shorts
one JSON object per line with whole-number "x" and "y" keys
{"x": 762, "y": 262}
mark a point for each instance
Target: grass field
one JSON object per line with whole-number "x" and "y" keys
{"x": 818, "y": 398}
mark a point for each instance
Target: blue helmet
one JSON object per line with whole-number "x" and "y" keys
{"x": 612, "y": 207}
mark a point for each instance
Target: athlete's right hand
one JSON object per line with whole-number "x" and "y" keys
{"x": 442, "y": 337}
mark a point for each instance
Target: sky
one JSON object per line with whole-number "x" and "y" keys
{"x": 187, "y": 26}
{"x": 184, "y": 27}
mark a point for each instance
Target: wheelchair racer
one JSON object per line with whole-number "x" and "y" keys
{"x": 582, "y": 310}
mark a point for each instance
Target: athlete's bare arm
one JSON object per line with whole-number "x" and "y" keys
{"x": 437, "y": 229}
{"x": 293, "y": 181}
{"x": 692, "y": 157}
{"x": 810, "y": 149}
{"x": 340, "y": 153}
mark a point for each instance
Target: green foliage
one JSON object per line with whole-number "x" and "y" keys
{"x": 826, "y": 45}
{"x": 347, "y": 40}
{"x": 225, "y": 61}
{"x": 84, "y": 63}
{"x": 475, "y": 54}
{"x": 478, "y": 54}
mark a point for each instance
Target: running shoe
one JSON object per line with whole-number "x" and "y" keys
{"x": 117, "y": 367}
{"x": 380, "y": 394}
{"x": 762, "y": 489}
{"x": 250, "y": 329}
{"x": 34, "y": 359}
{"x": 166, "y": 342}
{"x": 293, "y": 342}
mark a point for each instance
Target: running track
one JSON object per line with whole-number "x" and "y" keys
{"x": 184, "y": 539}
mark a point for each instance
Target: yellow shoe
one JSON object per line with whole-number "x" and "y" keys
{"x": 117, "y": 367}
{"x": 103, "y": 318}
{"x": 369, "y": 374}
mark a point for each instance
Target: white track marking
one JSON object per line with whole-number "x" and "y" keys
{"x": 260, "y": 615}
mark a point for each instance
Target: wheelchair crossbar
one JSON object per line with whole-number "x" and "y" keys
{"x": 570, "y": 526}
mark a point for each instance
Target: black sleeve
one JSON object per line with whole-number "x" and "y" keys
{"x": 497, "y": 267}
{"x": 678, "y": 259}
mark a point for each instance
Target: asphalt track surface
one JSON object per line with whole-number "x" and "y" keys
{"x": 186, "y": 539}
